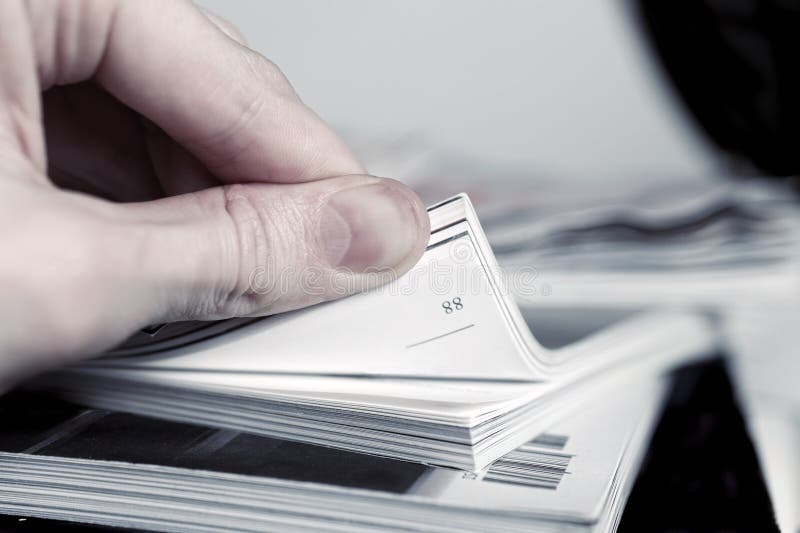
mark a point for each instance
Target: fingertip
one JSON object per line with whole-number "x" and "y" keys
{"x": 380, "y": 224}
{"x": 422, "y": 222}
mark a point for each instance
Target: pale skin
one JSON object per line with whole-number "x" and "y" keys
{"x": 150, "y": 162}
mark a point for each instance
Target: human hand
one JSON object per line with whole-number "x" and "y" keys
{"x": 215, "y": 167}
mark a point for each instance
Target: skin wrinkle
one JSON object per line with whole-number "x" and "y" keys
{"x": 315, "y": 159}
{"x": 22, "y": 112}
{"x": 110, "y": 24}
{"x": 157, "y": 234}
{"x": 286, "y": 109}
{"x": 315, "y": 254}
{"x": 22, "y": 130}
{"x": 285, "y": 244}
{"x": 61, "y": 51}
{"x": 301, "y": 133}
{"x": 227, "y": 28}
{"x": 31, "y": 21}
{"x": 78, "y": 44}
{"x": 270, "y": 74}
{"x": 221, "y": 91}
{"x": 227, "y": 135}
{"x": 242, "y": 214}
{"x": 19, "y": 169}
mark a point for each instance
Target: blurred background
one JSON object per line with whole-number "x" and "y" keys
{"x": 583, "y": 160}
{"x": 561, "y": 88}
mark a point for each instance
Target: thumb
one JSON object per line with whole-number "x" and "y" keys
{"x": 86, "y": 273}
{"x": 257, "y": 249}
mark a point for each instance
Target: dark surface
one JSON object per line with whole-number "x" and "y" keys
{"x": 21, "y": 429}
{"x": 701, "y": 473}
{"x": 734, "y": 64}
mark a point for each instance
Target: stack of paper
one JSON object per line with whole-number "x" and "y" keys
{"x": 439, "y": 367}
{"x": 722, "y": 246}
{"x": 65, "y": 462}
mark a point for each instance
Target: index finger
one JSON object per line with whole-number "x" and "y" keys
{"x": 227, "y": 104}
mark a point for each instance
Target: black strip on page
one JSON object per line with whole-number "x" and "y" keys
{"x": 142, "y": 440}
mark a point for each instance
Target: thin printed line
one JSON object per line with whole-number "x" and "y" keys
{"x": 444, "y": 203}
{"x": 440, "y": 336}
{"x": 445, "y": 241}
{"x": 448, "y": 226}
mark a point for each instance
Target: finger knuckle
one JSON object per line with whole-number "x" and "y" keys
{"x": 264, "y": 242}
{"x": 270, "y": 74}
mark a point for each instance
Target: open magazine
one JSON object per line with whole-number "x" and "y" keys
{"x": 439, "y": 367}
{"x": 62, "y": 461}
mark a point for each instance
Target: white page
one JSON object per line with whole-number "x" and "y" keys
{"x": 431, "y": 398}
{"x": 443, "y": 319}
{"x": 596, "y": 440}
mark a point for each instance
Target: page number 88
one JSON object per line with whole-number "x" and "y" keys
{"x": 455, "y": 305}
